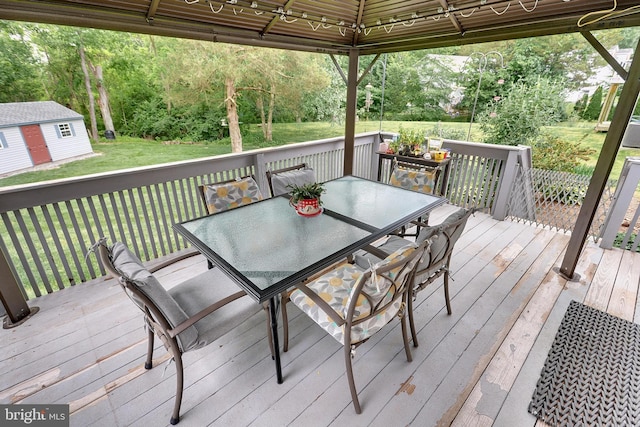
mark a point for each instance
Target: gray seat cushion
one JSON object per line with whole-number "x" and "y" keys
{"x": 197, "y": 293}
{"x": 130, "y": 266}
{"x": 188, "y": 298}
{"x": 281, "y": 181}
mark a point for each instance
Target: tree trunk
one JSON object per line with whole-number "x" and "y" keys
{"x": 92, "y": 102}
{"x": 272, "y": 103}
{"x": 263, "y": 120}
{"x": 232, "y": 115}
{"x": 103, "y": 97}
{"x": 163, "y": 77}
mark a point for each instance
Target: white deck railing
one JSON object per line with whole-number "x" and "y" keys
{"x": 48, "y": 227}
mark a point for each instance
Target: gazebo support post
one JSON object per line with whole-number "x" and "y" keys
{"x": 607, "y": 158}
{"x": 13, "y": 300}
{"x": 350, "y": 121}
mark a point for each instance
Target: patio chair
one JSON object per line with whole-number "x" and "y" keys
{"x": 414, "y": 177}
{"x": 352, "y": 303}
{"x": 230, "y": 194}
{"x": 434, "y": 263}
{"x": 280, "y": 179}
{"x": 186, "y": 317}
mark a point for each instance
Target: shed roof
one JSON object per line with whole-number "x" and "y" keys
{"x": 334, "y": 26}
{"x": 23, "y": 113}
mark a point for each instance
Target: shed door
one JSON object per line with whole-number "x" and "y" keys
{"x": 34, "y": 139}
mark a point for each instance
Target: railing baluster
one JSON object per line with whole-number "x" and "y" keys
{"x": 20, "y": 253}
{"x": 48, "y": 255}
{"x": 69, "y": 242}
{"x": 58, "y": 243}
{"x": 160, "y": 203}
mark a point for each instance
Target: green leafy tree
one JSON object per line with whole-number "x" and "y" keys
{"x": 580, "y": 105}
{"x": 20, "y": 76}
{"x": 328, "y": 102}
{"x": 519, "y": 117}
{"x": 592, "y": 111}
{"x": 483, "y": 78}
{"x": 418, "y": 85}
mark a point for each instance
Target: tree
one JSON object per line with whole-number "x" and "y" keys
{"x": 87, "y": 85}
{"x": 20, "y": 76}
{"x": 519, "y": 116}
{"x": 417, "y": 86}
{"x": 592, "y": 111}
{"x": 580, "y": 105}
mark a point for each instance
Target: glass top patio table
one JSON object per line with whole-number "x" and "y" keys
{"x": 266, "y": 247}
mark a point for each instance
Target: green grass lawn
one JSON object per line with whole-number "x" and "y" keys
{"x": 583, "y": 133}
{"x": 127, "y": 152}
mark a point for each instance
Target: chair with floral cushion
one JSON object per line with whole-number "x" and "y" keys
{"x": 230, "y": 194}
{"x": 353, "y": 303}
{"x": 414, "y": 177}
{"x": 434, "y": 263}
{"x": 280, "y": 179}
{"x": 186, "y": 317}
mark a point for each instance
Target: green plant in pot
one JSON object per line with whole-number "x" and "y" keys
{"x": 410, "y": 141}
{"x": 306, "y": 199}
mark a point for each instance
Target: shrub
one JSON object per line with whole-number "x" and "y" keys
{"x": 553, "y": 153}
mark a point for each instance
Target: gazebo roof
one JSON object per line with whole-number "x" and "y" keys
{"x": 334, "y": 26}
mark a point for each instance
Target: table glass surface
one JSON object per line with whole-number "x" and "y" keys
{"x": 374, "y": 203}
{"x": 268, "y": 242}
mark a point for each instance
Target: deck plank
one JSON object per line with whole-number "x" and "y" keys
{"x": 514, "y": 409}
{"x": 489, "y": 393}
{"x": 625, "y": 291}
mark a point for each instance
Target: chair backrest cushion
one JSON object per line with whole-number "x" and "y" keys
{"x": 280, "y": 182}
{"x": 377, "y": 285}
{"x": 229, "y": 195}
{"x": 134, "y": 272}
{"x": 423, "y": 181}
{"x": 378, "y": 289}
{"x": 444, "y": 237}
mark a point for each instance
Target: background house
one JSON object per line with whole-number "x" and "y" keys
{"x": 34, "y": 133}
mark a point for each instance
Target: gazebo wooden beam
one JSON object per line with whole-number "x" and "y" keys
{"x": 605, "y": 162}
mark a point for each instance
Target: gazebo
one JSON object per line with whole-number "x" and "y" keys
{"x": 358, "y": 28}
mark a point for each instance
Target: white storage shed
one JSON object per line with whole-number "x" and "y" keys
{"x": 33, "y": 133}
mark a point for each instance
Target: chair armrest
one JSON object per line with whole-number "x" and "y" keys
{"x": 420, "y": 223}
{"x": 204, "y": 313}
{"x": 376, "y": 251}
{"x": 322, "y": 304}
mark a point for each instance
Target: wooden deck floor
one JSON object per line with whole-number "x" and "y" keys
{"x": 478, "y": 366}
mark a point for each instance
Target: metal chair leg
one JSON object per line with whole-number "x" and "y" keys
{"x": 148, "y": 364}
{"x": 177, "y": 358}
{"x": 446, "y": 291}
{"x": 405, "y": 338}
{"x": 284, "y": 299}
{"x": 352, "y": 384}
{"x": 412, "y": 326}
{"x": 265, "y": 307}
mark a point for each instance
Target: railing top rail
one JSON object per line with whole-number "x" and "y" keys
{"x": 45, "y": 192}
{"x": 500, "y": 152}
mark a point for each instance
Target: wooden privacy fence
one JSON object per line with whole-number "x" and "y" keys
{"x": 47, "y": 228}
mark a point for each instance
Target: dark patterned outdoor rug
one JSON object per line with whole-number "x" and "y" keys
{"x": 592, "y": 373}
